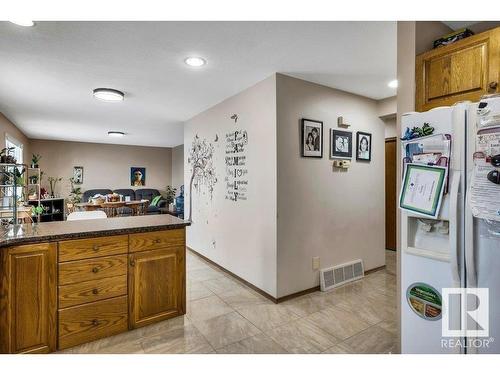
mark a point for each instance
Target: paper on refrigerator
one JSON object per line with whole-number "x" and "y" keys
{"x": 484, "y": 195}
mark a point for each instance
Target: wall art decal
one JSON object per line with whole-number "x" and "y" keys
{"x": 202, "y": 169}
{"x": 236, "y": 161}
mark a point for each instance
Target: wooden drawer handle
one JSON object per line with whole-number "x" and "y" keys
{"x": 95, "y": 269}
{"x": 132, "y": 263}
{"x": 157, "y": 240}
{"x": 95, "y": 322}
{"x": 96, "y": 247}
{"x": 95, "y": 291}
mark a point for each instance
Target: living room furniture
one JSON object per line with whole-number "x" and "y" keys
{"x": 53, "y": 209}
{"x": 464, "y": 70}
{"x": 86, "y": 215}
{"x": 168, "y": 211}
{"x": 68, "y": 283}
{"x": 135, "y": 195}
{"x": 113, "y": 209}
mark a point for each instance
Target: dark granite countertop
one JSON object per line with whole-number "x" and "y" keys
{"x": 67, "y": 230}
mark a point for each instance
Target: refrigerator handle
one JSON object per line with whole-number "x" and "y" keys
{"x": 469, "y": 248}
{"x": 454, "y": 221}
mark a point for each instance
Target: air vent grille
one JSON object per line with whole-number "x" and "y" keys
{"x": 341, "y": 274}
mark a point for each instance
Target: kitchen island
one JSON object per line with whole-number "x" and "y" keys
{"x": 66, "y": 283}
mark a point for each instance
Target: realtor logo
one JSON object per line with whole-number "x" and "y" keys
{"x": 473, "y": 319}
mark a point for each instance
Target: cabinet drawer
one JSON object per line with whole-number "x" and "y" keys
{"x": 92, "y": 247}
{"x": 91, "y": 291}
{"x": 157, "y": 240}
{"x": 92, "y": 321}
{"x": 92, "y": 269}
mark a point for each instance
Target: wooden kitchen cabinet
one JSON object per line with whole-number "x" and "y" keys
{"x": 464, "y": 70}
{"x": 156, "y": 285}
{"x": 28, "y": 298}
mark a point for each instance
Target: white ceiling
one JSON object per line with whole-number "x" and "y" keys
{"x": 48, "y": 72}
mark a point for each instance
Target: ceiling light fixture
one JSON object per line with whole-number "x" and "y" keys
{"x": 25, "y": 23}
{"x": 195, "y": 61}
{"x": 393, "y": 84}
{"x": 108, "y": 95}
{"x": 115, "y": 134}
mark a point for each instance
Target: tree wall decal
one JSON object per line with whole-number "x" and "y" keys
{"x": 202, "y": 169}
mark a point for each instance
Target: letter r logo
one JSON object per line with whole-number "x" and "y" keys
{"x": 465, "y": 312}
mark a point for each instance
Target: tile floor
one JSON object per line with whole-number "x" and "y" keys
{"x": 225, "y": 316}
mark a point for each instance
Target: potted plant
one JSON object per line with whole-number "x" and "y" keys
{"x": 6, "y": 157}
{"x": 53, "y": 182}
{"x": 35, "y": 159}
{"x": 170, "y": 194}
{"x": 75, "y": 195}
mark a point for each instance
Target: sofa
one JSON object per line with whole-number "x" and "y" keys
{"x": 138, "y": 194}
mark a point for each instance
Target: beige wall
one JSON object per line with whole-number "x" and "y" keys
{"x": 7, "y": 127}
{"x": 390, "y": 126}
{"x": 322, "y": 212}
{"x": 178, "y": 167}
{"x": 426, "y": 32}
{"x": 238, "y": 235}
{"x": 104, "y": 165}
{"x": 387, "y": 107}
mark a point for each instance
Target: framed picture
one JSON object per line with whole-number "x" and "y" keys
{"x": 78, "y": 175}
{"x": 363, "y": 146}
{"x": 312, "y": 138}
{"x": 340, "y": 144}
{"x": 137, "y": 176}
{"x": 422, "y": 189}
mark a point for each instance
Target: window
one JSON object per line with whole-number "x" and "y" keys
{"x": 17, "y": 146}
{"x": 17, "y": 152}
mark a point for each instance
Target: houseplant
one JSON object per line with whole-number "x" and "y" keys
{"x": 170, "y": 194}
{"x": 35, "y": 159}
{"x": 6, "y": 157}
{"x": 75, "y": 195}
{"x": 53, "y": 182}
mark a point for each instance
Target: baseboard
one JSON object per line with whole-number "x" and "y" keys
{"x": 374, "y": 269}
{"x": 243, "y": 281}
{"x": 260, "y": 291}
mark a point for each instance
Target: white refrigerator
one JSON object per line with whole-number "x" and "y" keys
{"x": 458, "y": 247}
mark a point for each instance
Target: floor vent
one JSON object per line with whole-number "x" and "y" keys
{"x": 335, "y": 276}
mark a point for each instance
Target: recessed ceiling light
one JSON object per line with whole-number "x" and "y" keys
{"x": 108, "y": 95}
{"x": 195, "y": 61}
{"x": 116, "y": 134}
{"x": 393, "y": 84}
{"x": 25, "y": 23}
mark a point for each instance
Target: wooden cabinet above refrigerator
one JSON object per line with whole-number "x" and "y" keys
{"x": 464, "y": 70}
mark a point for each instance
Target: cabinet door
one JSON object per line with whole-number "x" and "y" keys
{"x": 464, "y": 70}
{"x": 156, "y": 285}
{"x": 28, "y": 304}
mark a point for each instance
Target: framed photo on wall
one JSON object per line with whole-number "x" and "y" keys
{"x": 363, "y": 146}
{"x": 340, "y": 144}
{"x": 137, "y": 176}
{"x": 78, "y": 175}
{"x": 312, "y": 138}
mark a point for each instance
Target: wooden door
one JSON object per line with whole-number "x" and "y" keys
{"x": 464, "y": 70}
{"x": 156, "y": 285}
{"x": 390, "y": 193}
{"x": 28, "y": 306}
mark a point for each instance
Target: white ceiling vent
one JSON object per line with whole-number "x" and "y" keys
{"x": 341, "y": 274}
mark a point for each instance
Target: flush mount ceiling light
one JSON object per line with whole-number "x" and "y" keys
{"x": 195, "y": 61}
{"x": 116, "y": 134}
{"x": 108, "y": 95}
{"x": 393, "y": 84}
{"x": 25, "y": 23}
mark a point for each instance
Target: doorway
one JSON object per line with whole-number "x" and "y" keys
{"x": 390, "y": 193}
